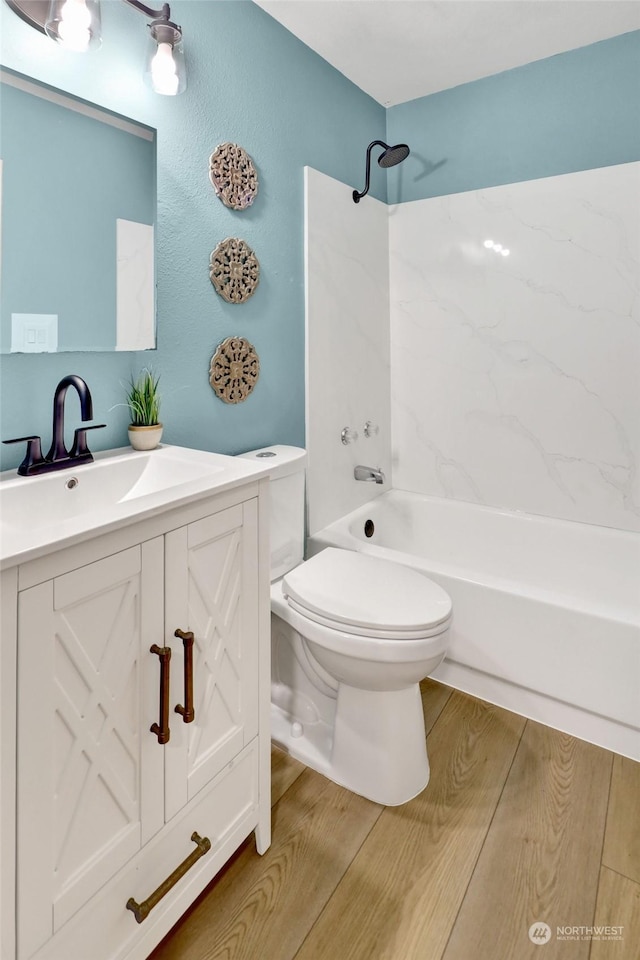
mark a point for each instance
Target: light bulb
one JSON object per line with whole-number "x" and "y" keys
{"x": 73, "y": 29}
{"x": 74, "y": 24}
{"x": 164, "y": 63}
{"x": 164, "y": 74}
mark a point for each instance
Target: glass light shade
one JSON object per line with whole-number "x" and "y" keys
{"x": 165, "y": 70}
{"x": 75, "y": 24}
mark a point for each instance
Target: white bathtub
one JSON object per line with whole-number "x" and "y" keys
{"x": 546, "y": 612}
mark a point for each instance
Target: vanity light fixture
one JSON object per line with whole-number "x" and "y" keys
{"x": 76, "y": 25}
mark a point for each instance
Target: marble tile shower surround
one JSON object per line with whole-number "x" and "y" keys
{"x": 514, "y": 379}
{"x": 347, "y": 345}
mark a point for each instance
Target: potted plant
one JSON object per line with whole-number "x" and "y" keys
{"x": 143, "y": 400}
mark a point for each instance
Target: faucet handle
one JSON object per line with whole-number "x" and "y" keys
{"x": 32, "y": 456}
{"x": 79, "y": 449}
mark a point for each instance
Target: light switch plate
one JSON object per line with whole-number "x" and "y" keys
{"x": 34, "y": 332}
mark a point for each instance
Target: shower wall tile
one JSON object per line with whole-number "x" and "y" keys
{"x": 347, "y": 345}
{"x": 514, "y": 379}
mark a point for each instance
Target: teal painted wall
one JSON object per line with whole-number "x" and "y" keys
{"x": 251, "y": 82}
{"x": 570, "y": 112}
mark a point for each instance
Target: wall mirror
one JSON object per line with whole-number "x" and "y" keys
{"x": 78, "y": 208}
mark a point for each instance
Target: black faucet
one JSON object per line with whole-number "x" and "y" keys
{"x": 58, "y": 457}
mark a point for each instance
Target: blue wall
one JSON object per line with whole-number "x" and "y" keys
{"x": 251, "y": 82}
{"x": 570, "y": 112}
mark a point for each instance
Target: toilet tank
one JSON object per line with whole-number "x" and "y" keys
{"x": 286, "y": 488}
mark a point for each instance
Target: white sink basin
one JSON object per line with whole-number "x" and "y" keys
{"x": 40, "y": 513}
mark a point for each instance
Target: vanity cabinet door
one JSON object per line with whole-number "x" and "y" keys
{"x": 89, "y": 769}
{"x": 211, "y": 572}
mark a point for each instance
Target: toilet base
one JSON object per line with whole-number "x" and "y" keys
{"x": 310, "y": 743}
{"x": 380, "y": 747}
{"x": 377, "y": 747}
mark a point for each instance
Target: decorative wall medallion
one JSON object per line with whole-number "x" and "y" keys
{"x": 233, "y": 176}
{"x": 234, "y": 370}
{"x": 234, "y": 270}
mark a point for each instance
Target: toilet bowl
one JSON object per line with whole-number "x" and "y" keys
{"x": 364, "y": 632}
{"x": 352, "y": 637}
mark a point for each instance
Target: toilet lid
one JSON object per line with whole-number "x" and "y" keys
{"x": 356, "y": 589}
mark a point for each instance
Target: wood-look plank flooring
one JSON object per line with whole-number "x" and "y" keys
{"x": 519, "y": 825}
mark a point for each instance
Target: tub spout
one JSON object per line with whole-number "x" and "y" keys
{"x": 371, "y": 474}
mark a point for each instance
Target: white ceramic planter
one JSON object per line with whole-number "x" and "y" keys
{"x": 145, "y": 438}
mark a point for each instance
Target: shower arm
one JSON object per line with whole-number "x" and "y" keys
{"x": 358, "y": 196}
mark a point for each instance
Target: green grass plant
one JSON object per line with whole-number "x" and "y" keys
{"x": 143, "y": 400}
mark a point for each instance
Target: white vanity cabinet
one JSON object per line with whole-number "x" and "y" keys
{"x": 117, "y": 790}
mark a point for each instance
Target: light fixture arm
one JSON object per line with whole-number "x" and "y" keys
{"x": 161, "y": 27}
{"x": 163, "y": 14}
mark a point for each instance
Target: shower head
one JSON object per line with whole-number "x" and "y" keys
{"x": 389, "y": 157}
{"x": 393, "y": 155}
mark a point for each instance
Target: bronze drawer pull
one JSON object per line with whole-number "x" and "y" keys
{"x": 187, "y": 711}
{"x": 142, "y": 910}
{"x": 162, "y": 730}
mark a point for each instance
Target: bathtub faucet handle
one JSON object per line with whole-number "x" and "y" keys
{"x": 348, "y": 435}
{"x": 370, "y": 474}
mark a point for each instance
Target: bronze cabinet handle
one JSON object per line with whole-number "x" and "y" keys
{"x": 162, "y": 730}
{"x": 187, "y": 711}
{"x": 142, "y": 910}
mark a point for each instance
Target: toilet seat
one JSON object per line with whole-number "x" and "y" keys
{"x": 351, "y": 630}
{"x": 367, "y": 596}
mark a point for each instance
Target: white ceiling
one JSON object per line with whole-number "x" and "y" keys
{"x": 397, "y": 50}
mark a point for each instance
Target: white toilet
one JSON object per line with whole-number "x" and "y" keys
{"x": 351, "y": 637}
